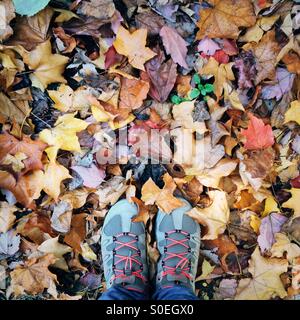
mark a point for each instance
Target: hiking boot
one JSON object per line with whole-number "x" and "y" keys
{"x": 178, "y": 241}
{"x": 123, "y": 244}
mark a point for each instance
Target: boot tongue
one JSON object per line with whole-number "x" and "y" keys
{"x": 126, "y": 252}
{"x": 172, "y": 262}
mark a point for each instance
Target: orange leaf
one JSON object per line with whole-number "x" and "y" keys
{"x": 143, "y": 214}
{"x": 133, "y": 46}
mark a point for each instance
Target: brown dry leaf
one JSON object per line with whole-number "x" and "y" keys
{"x": 12, "y": 111}
{"x": 26, "y": 189}
{"x": 7, "y": 13}
{"x": 32, "y": 149}
{"x": 34, "y": 227}
{"x": 248, "y": 201}
{"x": 225, "y": 247}
{"x": 77, "y": 233}
{"x": 47, "y": 67}
{"x": 221, "y": 72}
{"x": 265, "y": 282}
{"x": 215, "y": 217}
{"x": 224, "y": 18}
{"x": 133, "y": 93}
{"x": 163, "y": 198}
{"x": 283, "y": 245}
{"x": 52, "y": 246}
{"x": 101, "y": 9}
{"x": 7, "y": 217}
{"x": 34, "y": 276}
{"x": 143, "y": 214}
{"x": 259, "y": 162}
{"x": 32, "y": 31}
{"x": 265, "y": 53}
{"x": 133, "y": 46}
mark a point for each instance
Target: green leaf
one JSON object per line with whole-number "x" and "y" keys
{"x": 196, "y": 78}
{"x": 209, "y": 88}
{"x": 194, "y": 94}
{"x": 176, "y": 100}
{"x": 29, "y": 7}
{"x": 203, "y": 92}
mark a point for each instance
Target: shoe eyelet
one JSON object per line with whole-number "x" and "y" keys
{"x": 114, "y": 238}
{"x": 165, "y": 249}
{"x": 189, "y": 249}
{"x": 166, "y": 235}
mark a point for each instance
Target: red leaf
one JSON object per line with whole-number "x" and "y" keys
{"x": 295, "y": 183}
{"x": 258, "y": 135}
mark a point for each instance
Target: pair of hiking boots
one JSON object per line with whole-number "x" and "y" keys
{"x": 124, "y": 253}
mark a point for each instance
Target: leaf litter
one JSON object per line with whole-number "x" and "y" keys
{"x": 86, "y": 82}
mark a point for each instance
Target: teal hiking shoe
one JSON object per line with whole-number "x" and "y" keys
{"x": 123, "y": 244}
{"x": 178, "y": 241}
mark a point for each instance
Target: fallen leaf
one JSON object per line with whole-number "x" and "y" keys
{"x": 47, "y": 67}
{"x": 63, "y": 135}
{"x": 26, "y": 189}
{"x": 224, "y": 18}
{"x": 265, "y": 53}
{"x": 133, "y": 93}
{"x": 258, "y": 135}
{"x": 163, "y": 198}
{"x": 53, "y": 176}
{"x": 143, "y": 213}
{"x": 34, "y": 276}
{"x": 77, "y": 234}
{"x": 293, "y": 113}
{"x": 7, "y": 217}
{"x": 265, "y": 282}
{"x": 282, "y": 246}
{"x": 221, "y": 72}
{"x": 174, "y": 44}
{"x": 293, "y": 202}
{"x": 162, "y": 75}
{"x": 92, "y": 176}
{"x": 101, "y": 9}
{"x": 9, "y": 243}
{"x": 7, "y": 13}
{"x": 32, "y": 149}
{"x": 32, "y": 31}
{"x": 270, "y": 225}
{"x": 284, "y": 82}
{"x": 214, "y": 217}
{"x": 208, "y": 46}
{"x": 132, "y": 45}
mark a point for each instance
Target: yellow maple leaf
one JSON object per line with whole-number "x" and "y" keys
{"x": 293, "y": 113}
{"x": 47, "y": 67}
{"x": 163, "y": 198}
{"x": 214, "y": 217}
{"x": 222, "y": 73}
{"x": 53, "y": 176}
{"x": 293, "y": 202}
{"x": 63, "y": 135}
{"x": 133, "y": 46}
{"x": 270, "y": 206}
{"x": 265, "y": 282}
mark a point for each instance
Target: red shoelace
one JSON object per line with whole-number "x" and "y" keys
{"x": 130, "y": 260}
{"x": 183, "y": 263}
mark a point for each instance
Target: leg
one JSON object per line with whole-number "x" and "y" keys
{"x": 118, "y": 292}
{"x": 175, "y": 292}
{"x": 123, "y": 245}
{"x": 178, "y": 241}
